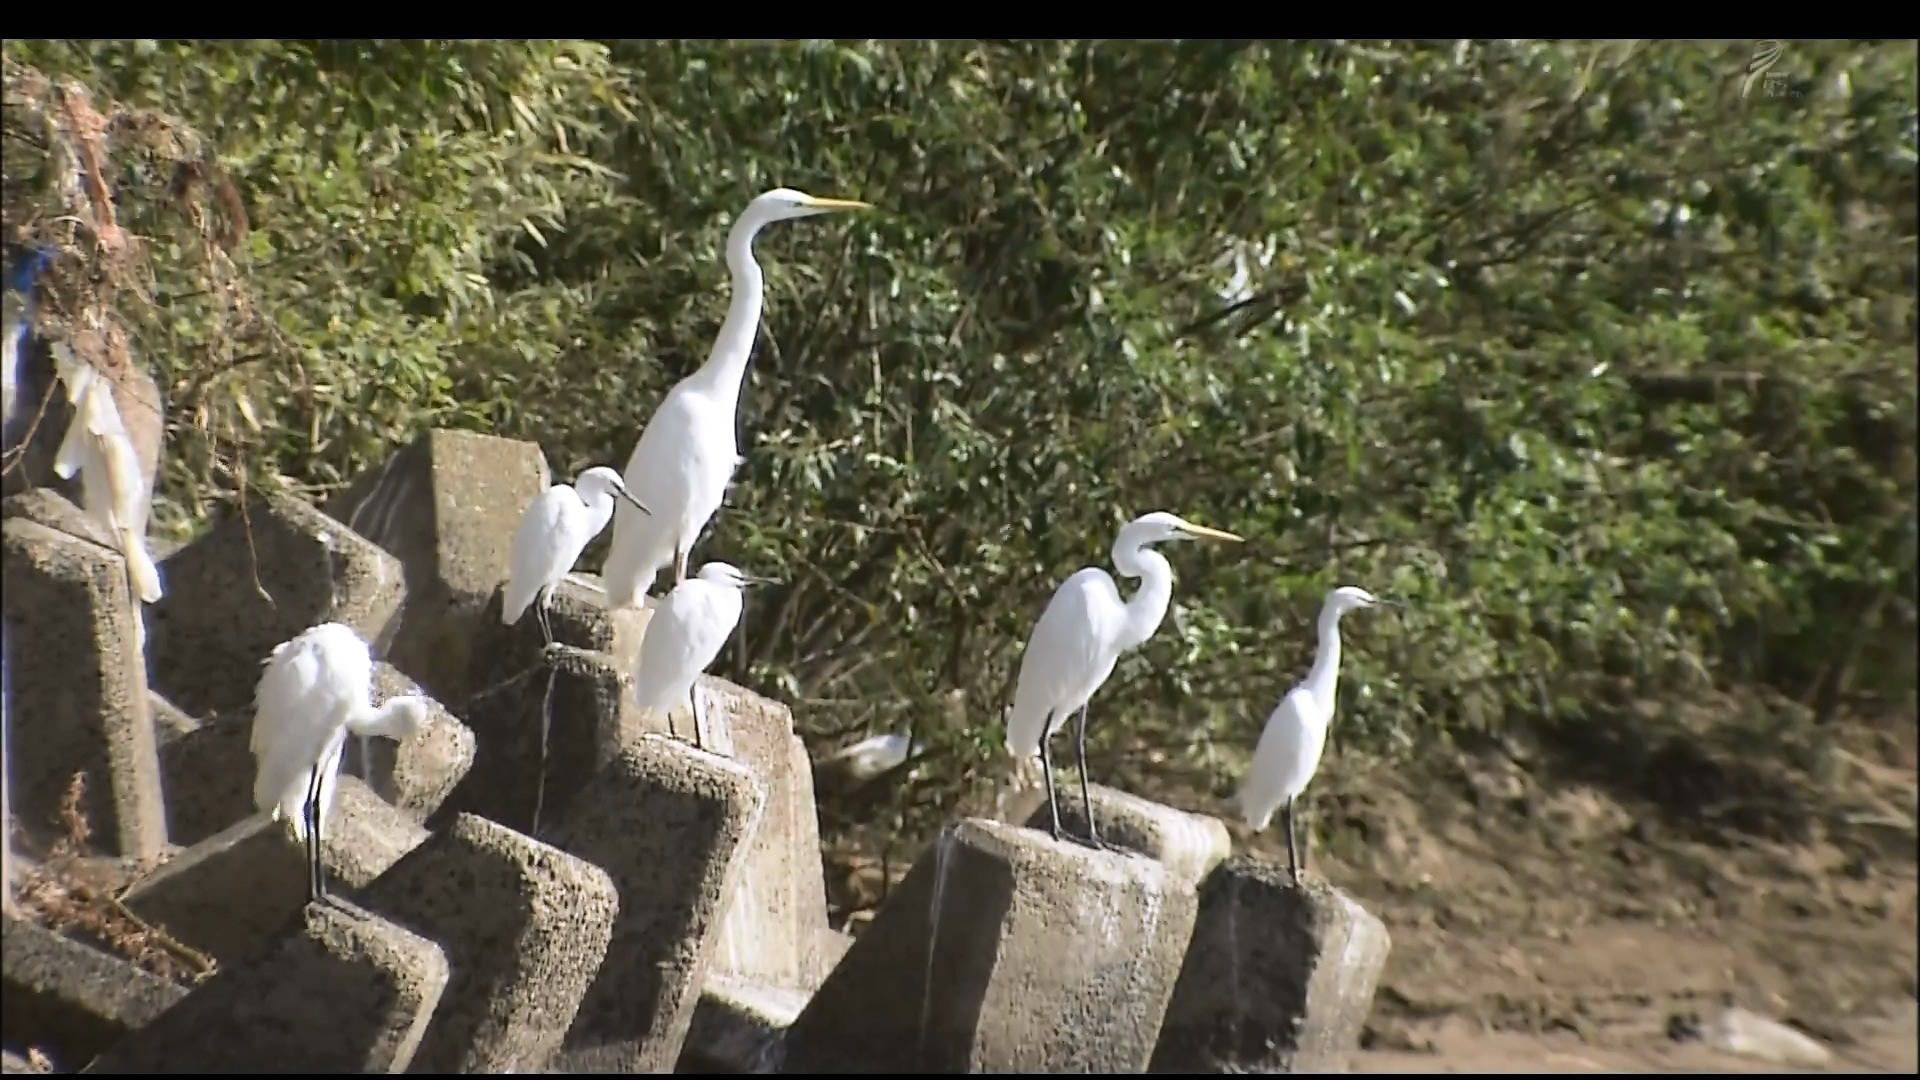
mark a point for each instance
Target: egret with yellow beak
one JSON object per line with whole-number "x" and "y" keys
{"x": 685, "y": 458}
{"x": 1082, "y": 634}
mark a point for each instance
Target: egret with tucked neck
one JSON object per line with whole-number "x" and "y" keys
{"x": 685, "y": 458}
{"x": 1296, "y": 733}
{"x": 1079, "y": 638}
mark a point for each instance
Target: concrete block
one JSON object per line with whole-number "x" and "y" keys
{"x": 738, "y": 1025}
{"x": 672, "y": 826}
{"x": 1276, "y": 979}
{"x": 1004, "y": 951}
{"x": 206, "y": 769}
{"x": 525, "y": 928}
{"x": 1190, "y": 845}
{"x": 580, "y": 618}
{"x": 445, "y": 507}
{"x": 346, "y": 991}
{"x": 593, "y": 718}
{"x": 253, "y": 581}
{"x": 230, "y": 894}
{"x": 6, "y": 768}
{"x": 768, "y": 933}
{"x": 74, "y": 671}
{"x": 71, "y": 999}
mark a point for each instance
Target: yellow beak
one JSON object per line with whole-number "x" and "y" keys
{"x": 1204, "y": 533}
{"x": 837, "y": 204}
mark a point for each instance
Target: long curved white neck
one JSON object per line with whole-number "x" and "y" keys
{"x": 726, "y": 365}
{"x": 386, "y": 719}
{"x": 1149, "y": 604}
{"x": 599, "y": 510}
{"x": 1325, "y": 675}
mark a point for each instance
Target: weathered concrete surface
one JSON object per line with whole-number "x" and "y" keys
{"x": 580, "y": 618}
{"x": 593, "y": 719}
{"x": 768, "y": 935}
{"x": 345, "y": 992}
{"x": 525, "y": 928}
{"x": 71, "y": 999}
{"x": 206, "y": 769}
{"x": 738, "y": 1025}
{"x": 74, "y": 674}
{"x": 6, "y": 769}
{"x": 1276, "y": 979}
{"x": 231, "y": 894}
{"x": 446, "y": 507}
{"x": 1004, "y": 951}
{"x": 1190, "y": 845}
{"x": 209, "y": 635}
{"x": 672, "y": 826}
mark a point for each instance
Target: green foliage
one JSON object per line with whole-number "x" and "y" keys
{"x": 1603, "y": 367}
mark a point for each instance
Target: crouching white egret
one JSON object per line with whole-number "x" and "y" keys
{"x": 1296, "y": 733}
{"x": 687, "y": 454}
{"x": 317, "y": 687}
{"x": 1080, "y": 636}
{"x": 685, "y": 633}
{"x": 556, "y": 527}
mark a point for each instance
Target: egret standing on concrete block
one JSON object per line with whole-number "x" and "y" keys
{"x": 557, "y": 526}
{"x": 687, "y": 454}
{"x": 1296, "y": 733}
{"x": 1082, "y": 634}
{"x": 685, "y": 633}
{"x": 318, "y": 686}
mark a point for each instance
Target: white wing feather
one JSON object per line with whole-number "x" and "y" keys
{"x": 1285, "y": 759}
{"x": 310, "y": 687}
{"x": 1068, "y": 656}
{"x": 538, "y": 546}
{"x": 679, "y": 469}
{"x": 686, "y": 632}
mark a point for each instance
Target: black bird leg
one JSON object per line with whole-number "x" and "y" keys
{"x": 1046, "y": 772}
{"x": 1086, "y": 797}
{"x": 1293, "y": 848}
{"x": 316, "y": 886}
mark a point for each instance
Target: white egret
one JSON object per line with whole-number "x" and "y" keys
{"x": 687, "y": 454}
{"x": 557, "y": 526}
{"x": 317, "y": 687}
{"x": 685, "y": 633}
{"x": 1081, "y": 635}
{"x": 1296, "y": 733}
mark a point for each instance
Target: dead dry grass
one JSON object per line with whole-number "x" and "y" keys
{"x": 73, "y": 893}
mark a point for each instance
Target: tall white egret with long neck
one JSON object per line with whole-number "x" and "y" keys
{"x": 686, "y": 456}
{"x": 1296, "y": 733}
{"x": 1082, "y": 634}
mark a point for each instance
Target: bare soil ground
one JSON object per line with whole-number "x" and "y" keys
{"x": 1563, "y": 905}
